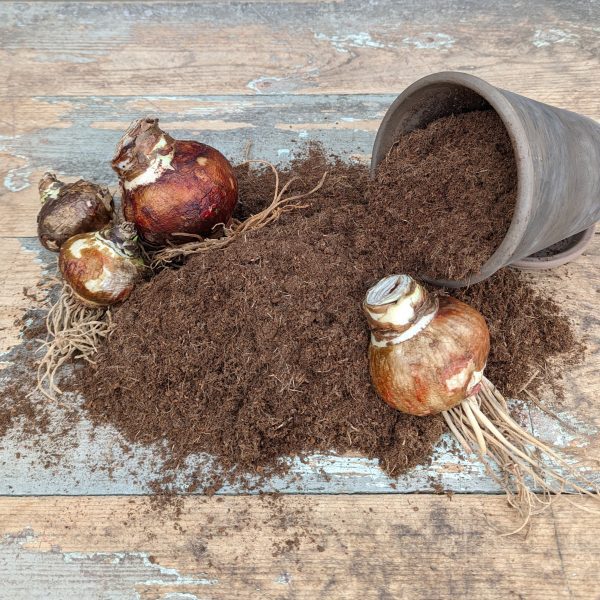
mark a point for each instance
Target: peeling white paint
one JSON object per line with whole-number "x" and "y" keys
{"x": 170, "y": 576}
{"x": 178, "y": 105}
{"x": 580, "y": 426}
{"x": 71, "y": 58}
{"x": 98, "y": 574}
{"x": 273, "y": 85}
{"x": 576, "y": 434}
{"x": 258, "y": 84}
{"x": 430, "y": 41}
{"x": 343, "y": 123}
{"x": 17, "y": 178}
{"x": 543, "y": 38}
{"x": 342, "y": 43}
{"x": 283, "y": 578}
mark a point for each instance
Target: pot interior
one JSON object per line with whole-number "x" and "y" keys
{"x": 422, "y": 107}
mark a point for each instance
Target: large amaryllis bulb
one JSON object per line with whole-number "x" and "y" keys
{"x": 71, "y": 208}
{"x": 427, "y": 354}
{"x": 171, "y": 186}
{"x": 102, "y": 267}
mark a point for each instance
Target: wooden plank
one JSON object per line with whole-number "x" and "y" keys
{"x": 279, "y": 126}
{"x": 20, "y": 272}
{"x": 547, "y": 50}
{"x": 427, "y": 547}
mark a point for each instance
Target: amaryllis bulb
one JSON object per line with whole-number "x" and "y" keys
{"x": 71, "y": 208}
{"x": 102, "y": 267}
{"x": 171, "y": 186}
{"x": 427, "y": 353}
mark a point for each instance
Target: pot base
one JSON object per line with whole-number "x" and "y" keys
{"x": 558, "y": 254}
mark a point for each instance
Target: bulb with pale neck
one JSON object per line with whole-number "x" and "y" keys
{"x": 171, "y": 187}
{"x": 427, "y": 353}
{"x": 102, "y": 267}
{"x": 69, "y": 209}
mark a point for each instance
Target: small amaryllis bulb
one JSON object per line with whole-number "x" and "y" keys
{"x": 171, "y": 186}
{"x": 102, "y": 267}
{"x": 427, "y": 353}
{"x": 71, "y": 208}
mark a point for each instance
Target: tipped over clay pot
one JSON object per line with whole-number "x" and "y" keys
{"x": 557, "y": 155}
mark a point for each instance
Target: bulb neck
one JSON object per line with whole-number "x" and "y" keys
{"x": 49, "y": 187}
{"x": 122, "y": 238}
{"x": 143, "y": 148}
{"x": 398, "y": 308}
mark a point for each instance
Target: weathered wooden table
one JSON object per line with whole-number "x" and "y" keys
{"x": 276, "y": 74}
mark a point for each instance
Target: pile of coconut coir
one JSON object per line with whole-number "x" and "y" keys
{"x": 257, "y": 352}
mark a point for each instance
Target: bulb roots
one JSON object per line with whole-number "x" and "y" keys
{"x": 74, "y": 331}
{"x": 279, "y": 205}
{"x": 513, "y": 457}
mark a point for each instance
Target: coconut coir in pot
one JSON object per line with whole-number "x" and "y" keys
{"x": 258, "y": 351}
{"x": 451, "y": 190}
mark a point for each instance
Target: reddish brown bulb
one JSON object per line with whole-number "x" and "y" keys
{"x": 171, "y": 186}
{"x": 426, "y": 354}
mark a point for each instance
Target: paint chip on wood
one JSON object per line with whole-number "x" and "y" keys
{"x": 542, "y": 38}
{"x": 430, "y": 41}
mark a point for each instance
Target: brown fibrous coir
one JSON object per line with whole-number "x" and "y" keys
{"x": 257, "y": 352}
{"x": 451, "y": 190}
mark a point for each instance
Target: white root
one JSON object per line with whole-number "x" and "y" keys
{"x": 512, "y": 456}
{"x": 469, "y": 412}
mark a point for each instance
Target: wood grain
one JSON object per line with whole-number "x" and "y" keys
{"x": 545, "y": 50}
{"x": 20, "y": 273}
{"x": 84, "y": 143}
{"x": 426, "y": 547}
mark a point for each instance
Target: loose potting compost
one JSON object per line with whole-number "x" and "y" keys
{"x": 250, "y": 344}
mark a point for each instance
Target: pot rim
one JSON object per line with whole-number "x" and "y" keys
{"x": 523, "y": 158}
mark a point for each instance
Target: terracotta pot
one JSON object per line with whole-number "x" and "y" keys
{"x": 557, "y": 154}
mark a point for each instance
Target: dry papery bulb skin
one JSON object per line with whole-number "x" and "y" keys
{"x": 171, "y": 186}
{"x": 427, "y": 353}
{"x": 71, "y": 208}
{"x": 102, "y": 267}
